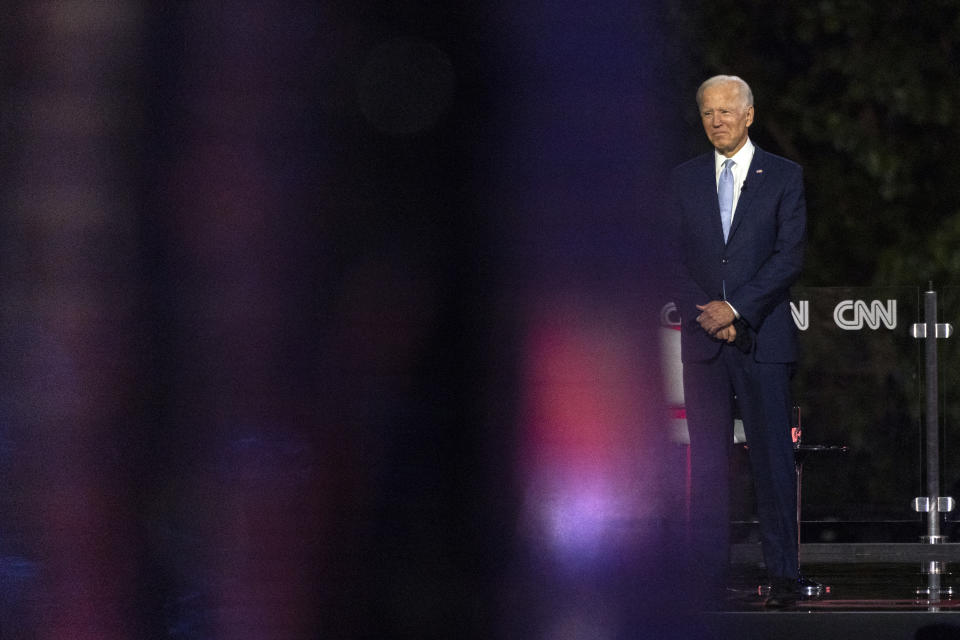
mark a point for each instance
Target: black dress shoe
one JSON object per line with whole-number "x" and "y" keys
{"x": 784, "y": 592}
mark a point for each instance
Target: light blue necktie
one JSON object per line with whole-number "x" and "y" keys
{"x": 725, "y": 195}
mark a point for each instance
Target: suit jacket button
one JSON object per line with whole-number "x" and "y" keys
{"x": 723, "y": 261}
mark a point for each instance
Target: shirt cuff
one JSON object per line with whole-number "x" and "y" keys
{"x": 735, "y": 312}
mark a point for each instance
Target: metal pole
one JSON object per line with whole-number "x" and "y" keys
{"x": 933, "y": 504}
{"x": 933, "y": 418}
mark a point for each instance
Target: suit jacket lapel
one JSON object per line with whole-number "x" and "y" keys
{"x": 708, "y": 194}
{"x": 750, "y": 187}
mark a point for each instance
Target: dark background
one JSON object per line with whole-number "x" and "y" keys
{"x": 329, "y": 319}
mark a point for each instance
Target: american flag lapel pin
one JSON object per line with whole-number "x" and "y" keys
{"x": 759, "y": 170}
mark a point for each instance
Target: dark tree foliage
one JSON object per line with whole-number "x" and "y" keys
{"x": 866, "y": 96}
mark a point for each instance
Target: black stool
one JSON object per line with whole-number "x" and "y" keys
{"x": 809, "y": 588}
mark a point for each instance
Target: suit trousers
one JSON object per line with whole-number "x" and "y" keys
{"x": 763, "y": 397}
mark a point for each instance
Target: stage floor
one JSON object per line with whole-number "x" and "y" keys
{"x": 859, "y": 587}
{"x": 878, "y": 601}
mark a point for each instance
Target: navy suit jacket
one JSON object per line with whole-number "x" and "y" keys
{"x": 754, "y": 269}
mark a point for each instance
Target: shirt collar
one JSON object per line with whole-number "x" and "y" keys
{"x": 741, "y": 157}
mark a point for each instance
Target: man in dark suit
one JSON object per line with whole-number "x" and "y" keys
{"x": 739, "y": 224}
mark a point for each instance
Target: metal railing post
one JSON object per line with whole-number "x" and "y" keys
{"x": 933, "y": 504}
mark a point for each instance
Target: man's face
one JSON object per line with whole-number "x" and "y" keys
{"x": 725, "y": 117}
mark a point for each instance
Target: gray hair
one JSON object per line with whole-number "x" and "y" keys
{"x": 744, "y": 88}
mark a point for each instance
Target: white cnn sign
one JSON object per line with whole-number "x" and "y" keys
{"x": 852, "y": 315}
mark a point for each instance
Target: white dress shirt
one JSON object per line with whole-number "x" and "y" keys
{"x": 742, "y": 158}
